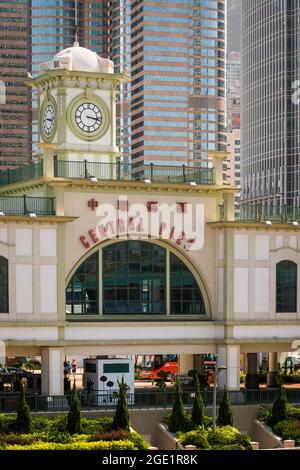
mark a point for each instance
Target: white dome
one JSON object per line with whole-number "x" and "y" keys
{"x": 79, "y": 59}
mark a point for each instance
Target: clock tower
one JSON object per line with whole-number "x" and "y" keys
{"x": 77, "y": 108}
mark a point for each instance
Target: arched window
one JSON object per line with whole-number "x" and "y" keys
{"x": 132, "y": 280}
{"x": 286, "y": 287}
{"x": 82, "y": 291}
{"x": 3, "y": 285}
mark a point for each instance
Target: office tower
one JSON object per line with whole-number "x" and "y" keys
{"x": 232, "y": 166}
{"x": 120, "y": 53}
{"x": 270, "y": 119}
{"x": 15, "y": 106}
{"x": 31, "y": 32}
{"x": 173, "y": 111}
{"x": 177, "y": 65}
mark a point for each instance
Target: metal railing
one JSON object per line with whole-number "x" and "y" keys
{"x": 23, "y": 173}
{"x": 22, "y": 205}
{"x": 273, "y": 213}
{"x": 133, "y": 172}
{"x": 142, "y": 400}
{"x": 261, "y": 213}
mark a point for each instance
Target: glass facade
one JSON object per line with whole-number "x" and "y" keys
{"x": 175, "y": 52}
{"x": 82, "y": 291}
{"x": 134, "y": 278}
{"x": 271, "y": 123}
{"x": 3, "y": 285}
{"x": 15, "y": 105}
{"x": 286, "y": 287}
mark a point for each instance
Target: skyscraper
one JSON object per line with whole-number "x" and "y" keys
{"x": 31, "y": 32}
{"x": 15, "y": 105}
{"x": 173, "y": 111}
{"x": 232, "y": 168}
{"x": 270, "y": 120}
{"x": 175, "y": 52}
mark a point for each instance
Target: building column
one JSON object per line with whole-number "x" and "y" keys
{"x": 229, "y": 356}
{"x": 199, "y": 363}
{"x": 2, "y": 353}
{"x": 252, "y": 381}
{"x": 273, "y": 370}
{"x": 52, "y": 371}
{"x": 186, "y": 363}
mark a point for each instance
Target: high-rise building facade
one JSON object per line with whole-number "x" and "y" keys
{"x": 270, "y": 119}
{"x": 31, "y": 32}
{"x": 232, "y": 166}
{"x": 174, "y": 110}
{"x": 15, "y": 103}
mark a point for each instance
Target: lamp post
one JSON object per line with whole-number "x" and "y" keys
{"x": 217, "y": 371}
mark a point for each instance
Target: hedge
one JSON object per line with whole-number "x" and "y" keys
{"x": 80, "y": 445}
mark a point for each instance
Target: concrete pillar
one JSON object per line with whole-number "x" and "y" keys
{"x": 229, "y": 207}
{"x": 252, "y": 381}
{"x": 186, "y": 363}
{"x": 229, "y": 357}
{"x": 2, "y": 353}
{"x": 199, "y": 363}
{"x": 52, "y": 371}
{"x": 273, "y": 370}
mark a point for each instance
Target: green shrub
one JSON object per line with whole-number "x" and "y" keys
{"x": 225, "y": 416}
{"x": 91, "y": 426}
{"x": 197, "y": 438}
{"x": 74, "y": 415}
{"x": 138, "y": 441}
{"x": 21, "y": 439}
{"x": 293, "y": 411}
{"x": 198, "y": 411}
{"x": 23, "y": 422}
{"x": 224, "y": 438}
{"x": 288, "y": 429}
{"x": 177, "y": 420}
{"x": 121, "y": 418}
{"x": 7, "y": 423}
{"x": 265, "y": 414}
{"x": 279, "y": 409}
{"x": 80, "y": 445}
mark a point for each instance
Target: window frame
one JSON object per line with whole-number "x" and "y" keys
{"x": 285, "y": 294}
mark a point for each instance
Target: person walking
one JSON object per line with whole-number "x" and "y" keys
{"x": 74, "y": 367}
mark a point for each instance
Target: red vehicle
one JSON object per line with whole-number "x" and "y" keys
{"x": 152, "y": 365}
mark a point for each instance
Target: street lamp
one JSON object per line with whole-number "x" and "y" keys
{"x": 217, "y": 371}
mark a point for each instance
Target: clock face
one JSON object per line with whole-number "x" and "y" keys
{"x": 48, "y": 119}
{"x": 88, "y": 117}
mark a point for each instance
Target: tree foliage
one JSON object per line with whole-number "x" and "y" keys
{"x": 74, "y": 415}
{"x": 225, "y": 416}
{"x": 121, "y": 418}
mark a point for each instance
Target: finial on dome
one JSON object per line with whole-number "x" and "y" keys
{"x": 76, "y": 43}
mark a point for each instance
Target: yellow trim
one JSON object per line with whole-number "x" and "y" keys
{"x": 39, "y": 219}
{"x": 254, "y": 225}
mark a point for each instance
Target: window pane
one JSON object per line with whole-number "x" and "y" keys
{"x": 286, "y": 287}
{"x": 186, "y": 297}
{"x": 3, "y": 285}
{"x": 82, "y": 291}
{"x": 137, "y": 272}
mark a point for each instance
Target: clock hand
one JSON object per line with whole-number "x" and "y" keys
{"x": 95, "y": 118}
